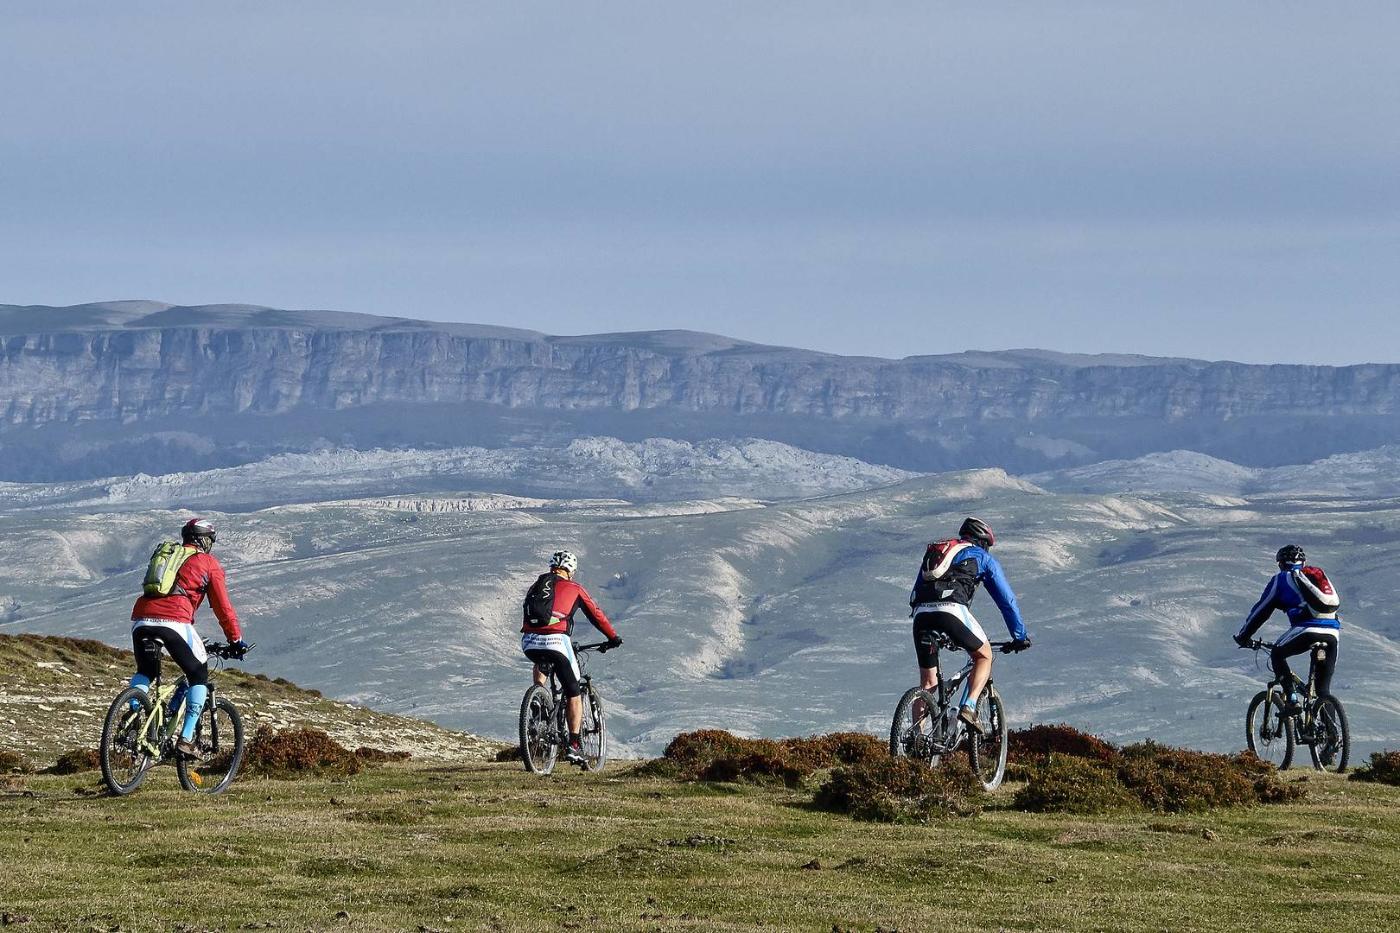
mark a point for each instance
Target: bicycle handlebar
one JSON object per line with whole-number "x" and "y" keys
{"x": 226, "y": 651}
{"x": 599, "y": 646}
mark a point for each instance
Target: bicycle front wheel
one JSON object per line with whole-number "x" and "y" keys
{"x": 1269, "y": 732}
{"x": 914, "y": 731}
{"x": 1330, "y": 747}
{"x": 539, "y": 746}
{"x": 218, "y": 739}
{"x": 595, "y": 733}
{"x": 121, "y": 754}
{"x": 988, "y": 751}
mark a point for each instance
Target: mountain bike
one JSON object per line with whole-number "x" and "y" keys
{"x": 1273, "y": 733}
{"x": 926, "y": 725}
{"x": 142, "y": 727}
{"x": 544, "y": 726}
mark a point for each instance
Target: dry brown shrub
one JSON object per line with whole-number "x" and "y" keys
{"x": 12, "y": 761}
{"x": 76, "y": 760}
{"x": 294, "y": 753}
{"x": 902, "y": 790}
{"x": 379, "y": 756}
{"x": 1384, "y": 768}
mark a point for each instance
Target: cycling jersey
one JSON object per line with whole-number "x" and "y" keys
{"x": 201, "y": 575}
{"x": 974, "y": 565}
{"x": 569, "y": 597}
{"x": 1282, "y": 594}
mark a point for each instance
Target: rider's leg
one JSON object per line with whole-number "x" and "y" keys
{"x": 147, "y": 652}
{"x": 1288, "y": 646}
{"x": 196, "y": 671}
{"x": 1328, "y": 664}
{"x": 574, "y": 713}
{"x": 924, "y": 652}
{"x": 981, "y": 673}
{"x": 540, "y": 679}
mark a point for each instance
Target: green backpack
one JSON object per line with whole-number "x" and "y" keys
{"x": 166, "y": 561}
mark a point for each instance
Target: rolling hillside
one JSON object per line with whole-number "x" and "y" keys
{"x": 56, "y": 691}
{"x": 766, "y": 617}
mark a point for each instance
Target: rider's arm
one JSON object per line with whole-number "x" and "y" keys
{"x": 219, "y": 601}
{"x": 594, "y": 614}
{"x": 1261, "y": 611}
{"x": 995, "y": 579}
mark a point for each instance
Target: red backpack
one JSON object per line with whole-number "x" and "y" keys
{"x": 1317, "y": 591}
{"x": 940, "y": 557}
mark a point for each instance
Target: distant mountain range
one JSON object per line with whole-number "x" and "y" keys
{"x": 134, "y": 386}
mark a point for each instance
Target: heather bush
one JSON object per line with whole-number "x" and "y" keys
{"x": 1059, "y": 739}
{"x": 1383, "y": 768}
{"x": 509, "y": 753}
{"x": 901, "y": 790}
{"x": 1070, "y": 784}
{"x": 1152, "y": 776}
{"x": 12, "y": 761}
{"x": 717, "y": 755}
{"x": 1177, "y": 780}
{"x": 76, "y": 760}
{"x": 377, "y": 756}
{"x": 294, "y": 753}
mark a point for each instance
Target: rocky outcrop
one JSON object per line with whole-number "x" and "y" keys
{"x": 81, "y": 367}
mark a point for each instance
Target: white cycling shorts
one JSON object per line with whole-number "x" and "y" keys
{"x": 185, "y": 631}
{"x": 556, "y": 642}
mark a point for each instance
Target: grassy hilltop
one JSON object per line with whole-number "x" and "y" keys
{"x": 454, "y": 842}
{"x": 488, "y": 847}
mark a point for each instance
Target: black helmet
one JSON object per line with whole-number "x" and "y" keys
{"x": 1290, "y": 554}
{"x": 977, "y": 531}
{"x": 200, "y": 533}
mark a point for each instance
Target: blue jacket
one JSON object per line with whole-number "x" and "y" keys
{"x": 1281, "y": 594}
{"x": 990, "y": 574}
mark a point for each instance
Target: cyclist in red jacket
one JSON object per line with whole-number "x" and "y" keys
{"x": 168, "y": 622}
{"x": 550, "y": 641}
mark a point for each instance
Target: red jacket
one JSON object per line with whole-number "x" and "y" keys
{"x": 200, "y": 575}
{"x": 569, "y": 597}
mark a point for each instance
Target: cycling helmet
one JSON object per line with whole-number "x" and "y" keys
{"x": 978, "y": 532}
{"x": 1290, "y": 554}
{"x": 200, "y": 533}
{"x": 563, "y": 560}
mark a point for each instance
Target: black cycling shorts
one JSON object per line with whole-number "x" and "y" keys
{"x": 562, "y": 666}
{"x": 961, "y": 627}
{"x": 146, "y": 642}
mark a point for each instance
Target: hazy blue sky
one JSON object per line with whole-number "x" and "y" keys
{"x": 1212, "y": 179}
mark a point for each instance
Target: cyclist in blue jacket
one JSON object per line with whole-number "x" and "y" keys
{"x": 943, "y": 591}
{"x": 1307, "y": 624}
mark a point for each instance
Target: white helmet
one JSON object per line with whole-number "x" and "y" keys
{"x": 564, "y": 560}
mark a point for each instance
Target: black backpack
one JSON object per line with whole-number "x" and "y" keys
{"x": 539, "y": 601}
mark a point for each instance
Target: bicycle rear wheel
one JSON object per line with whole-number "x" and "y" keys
{"x": 988, "y": 751}
{"x": 539, "y": 746}
{"x": 124, "y": 763}
{"x": 1269, "y": 732}
{"x": 914, "y": 732}
{"x": 219, "y": 740}
{"x": 1331, "y": 745}
{"x": 595, "y": 733}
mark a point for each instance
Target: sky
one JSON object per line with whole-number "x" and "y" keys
{"x": 1216, "y": 180}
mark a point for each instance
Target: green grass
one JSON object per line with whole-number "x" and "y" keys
{"x": 488, "y": 847}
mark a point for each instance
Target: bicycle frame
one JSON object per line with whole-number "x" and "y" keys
{"x": 952, "y": 728}
{"x": 1275, "y": 687}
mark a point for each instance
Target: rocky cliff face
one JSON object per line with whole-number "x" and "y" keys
{"x": 195, "y": 362}
{"x": 145, "y": 363}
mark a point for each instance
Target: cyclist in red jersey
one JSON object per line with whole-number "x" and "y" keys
{"x": 550, "y": 642}
{"x": 168, "y": 622}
